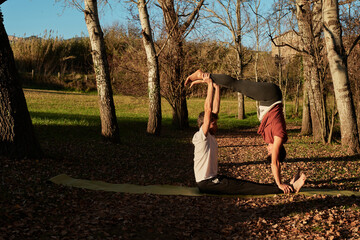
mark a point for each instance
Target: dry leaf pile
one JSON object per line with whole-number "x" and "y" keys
{"x": 33, "y": 208}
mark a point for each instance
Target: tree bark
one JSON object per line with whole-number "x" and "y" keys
{"x": 109, "y": 127}
{"x": 297, "y": 94}
{"x": 240, "y": 55}
{"x": 306, "y": 117}
{"x": 154, "y": 122}
{"x": 17, "y": 137}
{"x": 338, "y": 68}
{"x": 317, "y": 106}
{"x": 257, "y": 37}
{"x": 309, "y": 29}
{"x": 241, "y": 104}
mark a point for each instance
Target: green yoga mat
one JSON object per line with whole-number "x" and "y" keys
{"x": 63, "y": 179}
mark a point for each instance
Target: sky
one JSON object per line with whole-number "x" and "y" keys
{"x": 25, "y": 18}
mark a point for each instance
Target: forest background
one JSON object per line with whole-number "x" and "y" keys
{"x": 67, "y": 126}
{"x": 52, "y": 62}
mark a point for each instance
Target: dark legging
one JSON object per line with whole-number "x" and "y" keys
{"x": 232, "y": 186}
{"x": 265, "y": 93}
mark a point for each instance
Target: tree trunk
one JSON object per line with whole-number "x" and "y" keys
{"x": 240, "y": 57}
{"x": 317, "y": 106}
{"x": 109, "y": 126}
{"x": 176, "y": 88}
{"x": 306, "y": 118}
{"x": 180, "y": 113}
{"x": 154, "y": 122}
{"x": 17, "y": 138}
{"x": 317, "y": 81}
{"x": 338, "y": 68}
{"x": 256, "y": 73}
{"x": 308, "y": 23}
{"x": 239, "y": 74}
{"x": 241, "y": 104}
{"x": 285, "y": 93}
{"x": 297, "y": 94}
{"x": 358, "y": 115}
{"x": 257, "y": 37}
{"x": 175, "y": 57}
{"x": 278, "y": 16}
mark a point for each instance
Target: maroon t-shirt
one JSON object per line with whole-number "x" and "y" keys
{"x": 273, "y": 124}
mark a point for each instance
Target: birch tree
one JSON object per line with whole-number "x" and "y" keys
{"x": 154, "y": 122}
{"x": 109, "y": 125}
{"x": 17, "y": 137}
{"x": 338, "y": 68}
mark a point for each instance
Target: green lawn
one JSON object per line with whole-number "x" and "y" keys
{"x": 77, "y": 109}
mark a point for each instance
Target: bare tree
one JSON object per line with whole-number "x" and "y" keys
{"x": 17, "y": 137}
{"x": 309, "y": 24}
{"x": 228, "y": 14}
{"x": 338, "y": 67}
{"x": 109, "y": 126}
{"x": 256, "y": 27}
{"x": 177, "y": 27}
{"x": 154, "y": 122}
{"x": 279, "y": 14}
{"x": 282, "y": 21}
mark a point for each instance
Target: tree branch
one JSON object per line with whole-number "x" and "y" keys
{"x": 354, "y": 44}
{"x": 221, "y": 20}
{"x": 287, "y": 45}
{"x": 190, "y": 19}
{"x": 167, "y": 39}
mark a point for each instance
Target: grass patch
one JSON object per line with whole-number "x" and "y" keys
{"x": 69, "y": 109}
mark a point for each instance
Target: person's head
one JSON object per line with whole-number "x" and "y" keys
{"x": 213, "y": 122}
{"x": 282, "y": 153}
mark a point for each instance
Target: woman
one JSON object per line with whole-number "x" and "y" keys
{"x": 272, "y": 126}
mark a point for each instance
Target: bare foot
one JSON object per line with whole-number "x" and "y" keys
{"x": 198, "y": 75}
{"x": 296, "y": 177}
{"x": 297, "y": 184}
{"x": 196, "y": 82}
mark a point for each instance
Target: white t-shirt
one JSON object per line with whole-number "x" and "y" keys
{"x": 205, "y": 156}
{"x": 265, "y": 109}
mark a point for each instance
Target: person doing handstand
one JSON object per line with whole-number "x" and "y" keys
{"x": 206, "y": 155}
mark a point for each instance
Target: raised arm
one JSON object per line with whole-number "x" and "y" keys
{"x": 216, "y": 101}
{"x": 208, "y": 104}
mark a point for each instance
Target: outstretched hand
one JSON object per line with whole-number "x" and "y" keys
{"x": 196, "y": 82}
{"x": 286, "y": 188}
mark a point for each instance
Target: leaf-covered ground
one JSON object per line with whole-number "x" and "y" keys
{"x": 33, "y": 208}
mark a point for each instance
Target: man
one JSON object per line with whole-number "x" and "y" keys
{"x": 206, "y": 153}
